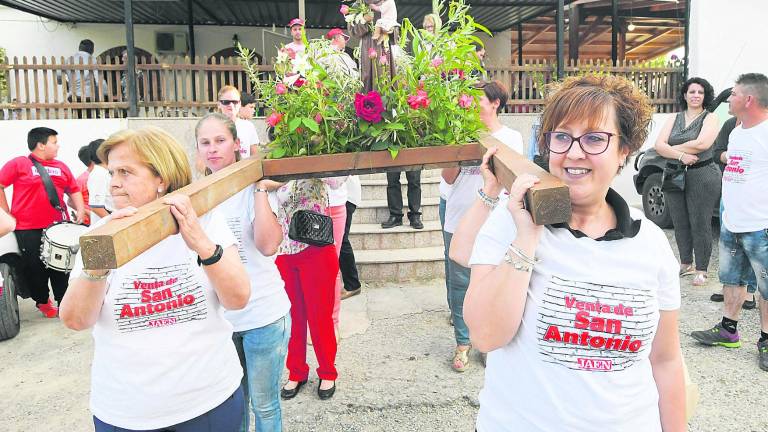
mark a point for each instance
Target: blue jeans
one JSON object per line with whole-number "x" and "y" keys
{"x": 458, "y": 282}
{"x": 223, "y": 418}
{"x": 446, "y": 245}
{"x": 262, "y": 354}
{"x": 742, "y": 252}
{"x": 746, "y": 276}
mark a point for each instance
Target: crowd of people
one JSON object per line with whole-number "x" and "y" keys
{"x": 210, "y": 317}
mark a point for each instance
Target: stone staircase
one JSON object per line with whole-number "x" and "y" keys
{"x": 400, "y": 253}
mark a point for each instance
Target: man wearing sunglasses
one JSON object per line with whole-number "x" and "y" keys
{"x": 229, "y": 105}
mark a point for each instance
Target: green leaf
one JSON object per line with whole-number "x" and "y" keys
{"x": 364, "y": 126}
{"x": 393, "y": 150}
{"x": 310, "y": 124}
{"x": 380, "y": 145}
{"x": 278, "y": 153}
{"x": 294, "y": 123}
{"x": 395, "y": 126}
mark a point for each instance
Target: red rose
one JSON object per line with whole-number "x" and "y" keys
{"x": 299, "y": 82}
{"x": 369, "y": 107}
{"x": 274, "y": 119}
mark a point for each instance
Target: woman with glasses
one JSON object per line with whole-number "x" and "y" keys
{"x": 686, "y": 140}
{"x": 229, "y": 105}
{"x": 579, "y": 318}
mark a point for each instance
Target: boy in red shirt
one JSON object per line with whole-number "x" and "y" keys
{"x": 33, "y": 212}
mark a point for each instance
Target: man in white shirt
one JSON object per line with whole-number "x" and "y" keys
{"x": 80, "y": 81}
{"x": 744, "y": 224}
{"x": 297, "y": 45}
{"x": 341, "y": 62}
{"x": 99, "y": 197}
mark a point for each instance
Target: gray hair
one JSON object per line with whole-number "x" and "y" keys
{"x": 755, "y": 84}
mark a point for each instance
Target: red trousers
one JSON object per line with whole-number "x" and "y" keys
{"x": 310, "y": 278}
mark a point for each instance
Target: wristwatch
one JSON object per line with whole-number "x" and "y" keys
{"x": 217, "y": 254}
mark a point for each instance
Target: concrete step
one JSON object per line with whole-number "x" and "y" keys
{"x": 431, "y": 173}
{"x": 373, "y": 236}
{"x": 397, "y": 265}
{"x": 374, "y": 189}
{"x": 376, "y": 211}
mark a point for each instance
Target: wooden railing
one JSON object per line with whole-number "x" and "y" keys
{"x": 181, "y": 87}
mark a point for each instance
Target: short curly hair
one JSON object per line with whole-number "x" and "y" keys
{"x": 588, "y": 97}
{"x": 709, "y": 92}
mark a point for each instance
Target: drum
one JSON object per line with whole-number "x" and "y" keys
{"x": 60, "y": 244}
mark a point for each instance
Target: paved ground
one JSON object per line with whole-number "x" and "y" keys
{"x": 394, "y": 365}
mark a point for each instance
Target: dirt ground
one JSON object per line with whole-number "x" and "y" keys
{"x": 394, "y": 370}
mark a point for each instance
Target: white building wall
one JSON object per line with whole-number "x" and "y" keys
{"x": 727, "y": 38}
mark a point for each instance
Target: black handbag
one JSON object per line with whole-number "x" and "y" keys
{"x": 310, "y": 227}
{"x": 673, "y": 178}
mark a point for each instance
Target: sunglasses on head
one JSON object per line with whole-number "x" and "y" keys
{"x": 229, "y": 102}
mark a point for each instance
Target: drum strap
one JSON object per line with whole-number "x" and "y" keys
{"x": 53, "y": 197}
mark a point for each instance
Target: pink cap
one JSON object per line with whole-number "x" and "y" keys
{"x": 335, "y": 32}
{"x": 296, "y": 21}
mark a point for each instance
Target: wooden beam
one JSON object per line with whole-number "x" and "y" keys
{"x": 533, "y": 37}
{"x": 573, "y": 33}
{"x": 548, "y": 201}
{"x": 117, "y": 242}
{"x": 592, "y": 27}
{"x": 649, "y": 40}
{"x": 595, "y": 36}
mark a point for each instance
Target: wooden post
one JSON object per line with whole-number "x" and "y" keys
{"x": 117, "y": 242}
{"x": 131, "y": 65}
{"x": 559, "y": 40}
{"x": 548, "y": 201}
{"x": 573, "y": 32}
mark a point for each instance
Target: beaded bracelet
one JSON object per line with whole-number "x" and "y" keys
{"x": 517, "y": 263}
{"x": 486, "y": 200}
{"x": 520, "y": 254}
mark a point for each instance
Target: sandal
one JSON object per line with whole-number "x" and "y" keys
{"x": 700, "y": 279}
{"x": 460, "y": 360}
{"x": 687, "y": 271}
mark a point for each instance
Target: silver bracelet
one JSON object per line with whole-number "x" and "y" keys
{"x": 520, "y": 254}
{"x": 517, "y": 263}
{"x": 486, "y": 200}
{"x": 260, "y": 190}
{"x": 84, "y": 275}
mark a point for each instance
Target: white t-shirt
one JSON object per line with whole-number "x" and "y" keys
{"x": 464, "y": 188}
{"x": 337, "y": 197}
{"x": 98, "y": 191}
{"x": 297, "y": 48}
{"x": 584, "y": 295}
{"x": 354, "y": 190}
{"x": 444, "y": 188}
{"x": 745, "y": 179}
{"x": 268, "y": 301}
{"x": 246, "y": 132}
{"x": 163, "y": 352}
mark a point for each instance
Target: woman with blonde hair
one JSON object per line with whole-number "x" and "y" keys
{"x": 158, "y": 325}
{"x": 589, "y": 305}
{"x": 263, "y": 327}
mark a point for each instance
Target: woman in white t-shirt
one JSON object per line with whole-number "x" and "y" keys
{"x": 229, "y": 105}
{"x": 163, "y": 353}
{"x": 465, "y": 183}
{"x": 579, "y": 318}
{"x": 263, "y": 327}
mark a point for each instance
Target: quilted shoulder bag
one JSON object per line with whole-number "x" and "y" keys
{"x": 308, "y": 226}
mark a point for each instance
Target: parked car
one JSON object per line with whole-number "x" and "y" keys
{"x": 11, "y": 286}
{"x": 649, "y": 166}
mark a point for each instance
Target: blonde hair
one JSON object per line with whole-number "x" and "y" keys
{"x": 435, "y": 18}
{"x": 157, "y": 150}
{"x": 227, "y": 88}
{"x": 227, "y": 123}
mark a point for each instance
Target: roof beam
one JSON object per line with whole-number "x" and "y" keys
{"x": 532, "y": 38}
{"x": 592, "y": 27}
{"x": 649, "y": 40}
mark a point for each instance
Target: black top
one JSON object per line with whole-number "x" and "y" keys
{"x": 626, "y": 227}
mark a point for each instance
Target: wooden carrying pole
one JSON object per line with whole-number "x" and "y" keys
{"x": 548, "y": 201}
{"x": 117, "y": 242}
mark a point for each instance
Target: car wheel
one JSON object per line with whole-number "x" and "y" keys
{"x": 9, "y": 304}
{"x": 654, "y": 204}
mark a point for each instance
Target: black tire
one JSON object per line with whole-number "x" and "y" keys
{"x": 9, "y": 304}
{"x": 654, "y": 205}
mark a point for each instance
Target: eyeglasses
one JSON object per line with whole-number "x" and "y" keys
{"x": 229, "y": 102}
{"x": 592, "y": 143}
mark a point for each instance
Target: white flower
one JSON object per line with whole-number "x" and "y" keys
{"x": 301, "y": 65}
{"x": 282, "y": 56}
{"x": 349, "y": 18}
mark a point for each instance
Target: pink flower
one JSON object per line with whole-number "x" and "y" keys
{"x": 291, "y": 53}
{"x": 318, "y": 118}
{"x": 299, "y": 82}
{"x": 281, "y": 89}
{"x": 274, "y": 119}
{"x": 465, "y": 101}
{"x": 419, "y": 100}
{"x": 436, "y": 62}
{"x": 383, "y": 60}
{"x": 372, "y": 54}
{"x": 459, "y": 73}
{"x": 369, "y": 106}
{"x": 344, "y": 9}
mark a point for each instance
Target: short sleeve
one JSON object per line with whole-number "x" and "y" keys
{"x": 215, "y": 226}
{"x": 494, "y": 237}
{"x": 9, "y": 173}
{"x": 98, "y": 188}
{"x": 669, "y": 279}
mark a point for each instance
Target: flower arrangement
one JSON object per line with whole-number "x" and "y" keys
{"x": 355, "y": 11}
{"x": 432, "y": 100}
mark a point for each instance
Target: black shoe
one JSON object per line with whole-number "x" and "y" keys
{"x": 392, "y": 222}
{"x": 347, "y": 294}
{"x": 416, "y": 222}
{"x": 290, "y": 394}
{"x": 749, "y": 304}
{"x": 717, "y": 297}
{"x": 326, "y": 394}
